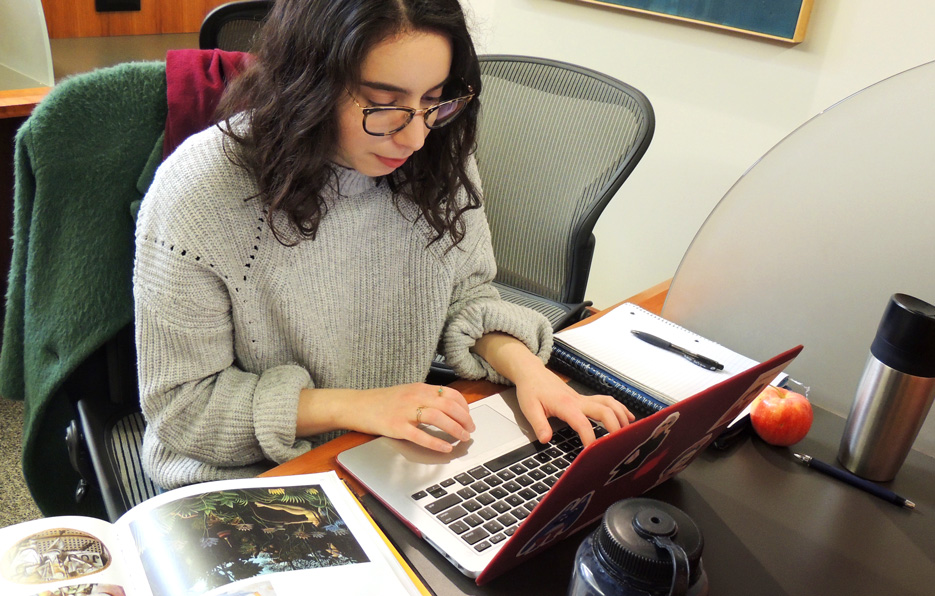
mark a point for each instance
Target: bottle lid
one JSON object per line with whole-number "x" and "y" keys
{"x": 905, "y": 339}
{"x": 625, "y": 540}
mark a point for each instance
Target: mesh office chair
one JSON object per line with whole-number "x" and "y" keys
{"x": 556, "y": 141}
{"x": 233, "y": 26}
{"x": 105, "y": 440}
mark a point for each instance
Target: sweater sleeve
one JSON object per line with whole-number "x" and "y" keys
{"x": 199, "y": 402}
{"x": 477, "y": 309}
{"x": 195, "y": 399}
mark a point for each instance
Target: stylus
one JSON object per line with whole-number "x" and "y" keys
{"x": 845, "y": 476}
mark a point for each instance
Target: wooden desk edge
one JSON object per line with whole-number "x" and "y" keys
{"x": 652, "y": 299}
{"x": 324, "y": 457}
{"x": 15, "y": 103}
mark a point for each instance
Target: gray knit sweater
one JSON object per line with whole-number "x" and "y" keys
{"x": 231, "y": 324}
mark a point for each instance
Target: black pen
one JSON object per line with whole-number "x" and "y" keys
{"x": 845, "y": 476}
{"x": 702, "y": 361}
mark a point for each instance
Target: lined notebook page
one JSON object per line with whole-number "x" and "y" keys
{"x": 609, "y": 343}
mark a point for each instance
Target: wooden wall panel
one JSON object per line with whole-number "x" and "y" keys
{"x": 77, "y": 18}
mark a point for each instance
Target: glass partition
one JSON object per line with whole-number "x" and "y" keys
{"x": 25, "y": 57}
{"x": 810, "y": 243}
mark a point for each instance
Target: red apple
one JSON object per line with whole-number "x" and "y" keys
{"x": 781, "y": 417}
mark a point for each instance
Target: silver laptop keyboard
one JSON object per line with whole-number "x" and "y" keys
{"x": 486, "y": 504}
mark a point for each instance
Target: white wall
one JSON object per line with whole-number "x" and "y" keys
{"x": 721, "y": 101}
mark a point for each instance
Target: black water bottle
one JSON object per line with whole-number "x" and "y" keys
{"x": 643, "y": 547}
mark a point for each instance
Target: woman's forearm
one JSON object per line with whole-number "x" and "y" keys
{"x": 398, "y": 411}
{"x": 323, "y": 410}
{"x": 509, "y": 356}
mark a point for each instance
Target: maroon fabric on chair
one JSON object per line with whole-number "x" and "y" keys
{"x": 195, "y": 81}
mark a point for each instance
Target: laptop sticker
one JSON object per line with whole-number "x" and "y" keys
{"x": 638, "y": 456}
{"x": 682, "y": 461}
{"x": 558, "y": 526}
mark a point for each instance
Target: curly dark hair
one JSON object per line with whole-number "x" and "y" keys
{"x": 309, "y": 53}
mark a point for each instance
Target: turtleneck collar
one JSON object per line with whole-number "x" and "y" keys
{"x": 351, "y": 182}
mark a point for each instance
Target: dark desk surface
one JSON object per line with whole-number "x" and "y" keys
{"x": 771, "y": 527}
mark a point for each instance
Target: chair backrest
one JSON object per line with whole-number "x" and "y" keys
{"x": 556, "y": 141}
{"x": 105, "y": 440}
{"x": 808, "y": 246}
{"x": 233, "y": 26}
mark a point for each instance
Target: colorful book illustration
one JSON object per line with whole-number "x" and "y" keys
{"x": 256, "y": 537}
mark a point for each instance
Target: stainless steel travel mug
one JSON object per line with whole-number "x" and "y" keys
{"x": 895, "y": 392}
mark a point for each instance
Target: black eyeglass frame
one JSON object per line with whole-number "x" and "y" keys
{"x": 425, "y": 112}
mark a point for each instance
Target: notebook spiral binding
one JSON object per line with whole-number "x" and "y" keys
{"x": 579, "y": 369}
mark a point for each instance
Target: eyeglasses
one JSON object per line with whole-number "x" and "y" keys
{"x": 382, "y": 121}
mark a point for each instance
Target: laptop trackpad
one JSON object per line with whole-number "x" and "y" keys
{"x": 493, "y": 430}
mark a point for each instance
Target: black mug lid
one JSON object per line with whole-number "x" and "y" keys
{"x": 624, "y": 538}
{"x": 905, "y": 339}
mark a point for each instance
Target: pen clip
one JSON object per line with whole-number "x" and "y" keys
{"x": 704, "y": 362}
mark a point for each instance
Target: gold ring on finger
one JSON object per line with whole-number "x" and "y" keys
{"x": 419, "y": 415}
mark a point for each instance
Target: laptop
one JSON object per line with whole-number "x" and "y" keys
{"x": 501, "y": 497}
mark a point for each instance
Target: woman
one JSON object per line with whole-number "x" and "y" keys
{"x": 299, "y": 265}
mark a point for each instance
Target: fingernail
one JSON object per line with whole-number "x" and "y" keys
{"x": 465, "y": 436}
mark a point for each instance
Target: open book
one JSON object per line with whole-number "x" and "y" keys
{"x": 255, "y": 537}
{"x": 606, "y": 356}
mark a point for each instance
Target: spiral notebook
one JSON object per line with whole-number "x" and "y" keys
{"x": 606, "y": 356}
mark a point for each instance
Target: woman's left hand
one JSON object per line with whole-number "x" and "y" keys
{"x": 541, "y": 393}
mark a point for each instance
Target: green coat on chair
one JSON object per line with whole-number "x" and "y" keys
{"x": 83, "y": 161}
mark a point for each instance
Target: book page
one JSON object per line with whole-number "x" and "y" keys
{"x": 608, "y": 342}
{"x": 263, "y": 536}
{"x": 63, "y": 556}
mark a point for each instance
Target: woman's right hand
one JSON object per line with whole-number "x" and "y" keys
{"x": 398, "y": 412}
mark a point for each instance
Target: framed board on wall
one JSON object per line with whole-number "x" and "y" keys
{"x": 784, "y": 20}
